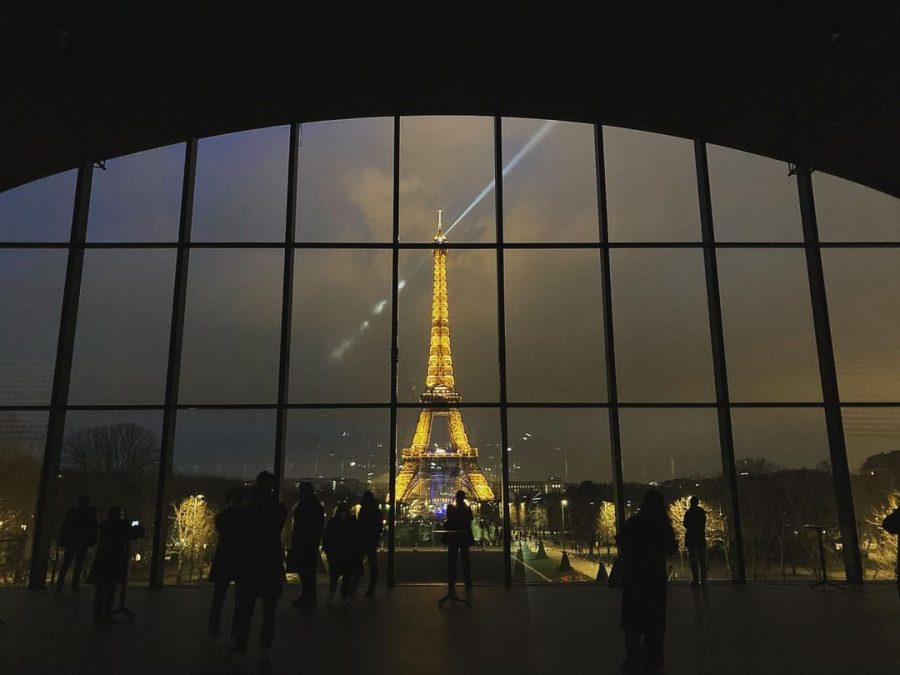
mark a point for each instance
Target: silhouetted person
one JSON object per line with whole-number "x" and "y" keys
{"x": 646, "y": 540}
{"x": 371, "y": 526}
{"x": 260, "y": 572}
{"x": 77, "y": 534}
{"x": 891, "y": 525}
{"x": 226, "y": 559}
{"x": 341, "y": 544}
{"x": 303, "y": 557}
{"x": 695, "y": 540}
{"x": 458, "y": 539}
{"x": 111, "y": 561}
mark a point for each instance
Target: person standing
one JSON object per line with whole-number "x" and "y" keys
{"x": 260, "y": 572}
{"x": 695, "y": 540}
{"x": 303, "y": 557}
{"x": 110, "y": 566}
{"x": 77, "y": 534}
{"x": 646, "y": 540}
{"x": 341, "y": 543}
{"x": 225, "y": 561}
{"x": 371, "y": 526}
{"x": 458, "y": 539}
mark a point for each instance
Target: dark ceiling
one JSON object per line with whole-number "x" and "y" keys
{"x": 809, "y": 82}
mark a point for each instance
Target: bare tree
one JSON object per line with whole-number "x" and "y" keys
{"x": 194, "y": 525}
{"x": 606, "y": 525}
{"x": 117, "y": 449}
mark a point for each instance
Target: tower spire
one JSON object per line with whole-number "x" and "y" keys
{"x": 440, "y": 237}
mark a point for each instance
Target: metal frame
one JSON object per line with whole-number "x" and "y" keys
{"x": 720, "y": 371}
{"x": 173, "y": 372}
{"x": 77, "y": 244}
{"x": 62, "y": 373}
{"x": 834, "y": 422}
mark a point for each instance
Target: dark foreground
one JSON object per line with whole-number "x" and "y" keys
{"x": 537, "y": 629}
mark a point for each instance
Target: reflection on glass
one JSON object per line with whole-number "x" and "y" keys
{"x": 847, "y": 211}
{"x": 241, "y": 186}
{"x": 123, "y": 361}
{"x": 113, "y": 458}
{"x": 345, "y": 180}
{"x": 447, "y": 163}
{"x": 342, "y": 453}
{"x": 31, "y": 290}
{"x": 661, "y": 326}
{"x": 40, "y": 210}
{"x": 22, "y": 439}
{"x": 215, "y": 451}
{"x": 677, "y": 452}
{"x": 784, "y": 487}
{"x": 232, "y": 327}
{"x": 753, "y": 198}
{"x": 549, "y": 181}
{"x": 138, "y": 197}
{"x": 560, "y": 495}
{"x": 554, "y": 326}
{"x": 651, "y": 187}
{"x": 873, "y": 452}
{"x": 434, "y": 461}
{"x": 471, "y": 302}
{"x": 863, "y": 287}
{"x": 340, "y": 342}
{"x": 767, "y": 317}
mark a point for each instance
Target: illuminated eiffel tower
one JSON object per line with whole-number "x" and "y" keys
{"x": 432, "y": 475}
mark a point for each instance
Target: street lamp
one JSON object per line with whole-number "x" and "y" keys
{"x": 562, "y": 507}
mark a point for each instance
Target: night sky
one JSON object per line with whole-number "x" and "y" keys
{"x": 341, "y": 314}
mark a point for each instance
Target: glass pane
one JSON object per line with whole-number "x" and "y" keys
{"x": 341, "y": 339}
{"x": 241, "y": 188}
{"x": 784, "y": 487}
{"x": 873, "y": 452}
{"x": 561, "y": 494}
{"x": 847, "y": 211}
{"x": 863, "y": 289}
{"x": 342, "y": 453}
{"x": 471, "y": 301}
{"x": 651, "y": 187}
{"x": 113, "y": 458}
{"x": 138, "y": 197}
{"x": 447, "y": 163}
{"x": 661, "y": 326}
{"x": 122, "y": 345}
{"x": 345, "y": 183}
{"x": 753, "y": 197}
{"x": 31, "y": 293}
{"x": 232, "y": 327}
{"x": 677, "y": 452}
{"x": 215, "y": 450}
{"x": 554, "y": 326}
{"x": 40, "y": 210}
{"x": 438, "y": 454}
{"x": 22, "y": 439}
{"x": 549, "y": 181}
{"x": 767, "y": 316}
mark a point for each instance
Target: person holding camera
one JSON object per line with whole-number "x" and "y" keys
{"x": 458, "y": 538}
{"x": 110, "y": 566}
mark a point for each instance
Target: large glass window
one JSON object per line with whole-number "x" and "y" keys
{"x": 651, "y": 187}
{"x": 345, "y": 180}
{"x": 22, "y": 439}
{"x": 753, "y": 198}
{"x": 138, "y": 197}
{"x": 232, "y": 327}
{"x": 121, "y": 346}
{"x": 241, "y": 188}
{"x": 40, "y": 210}
{"x": 848, "y": 211}
{"x": 31, "y": 290}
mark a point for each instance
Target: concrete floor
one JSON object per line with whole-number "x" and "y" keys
{"x": 538, "y": 629}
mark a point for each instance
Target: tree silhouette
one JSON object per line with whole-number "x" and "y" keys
{"x": 125, "y": 449}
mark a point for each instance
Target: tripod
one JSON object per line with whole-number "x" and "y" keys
{"x": 122, "y": 609}
{"x": 450, "y": 595}
{"x": 823, "y": 582}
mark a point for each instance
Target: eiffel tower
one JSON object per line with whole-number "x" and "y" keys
{"x": 432, "y": 475}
